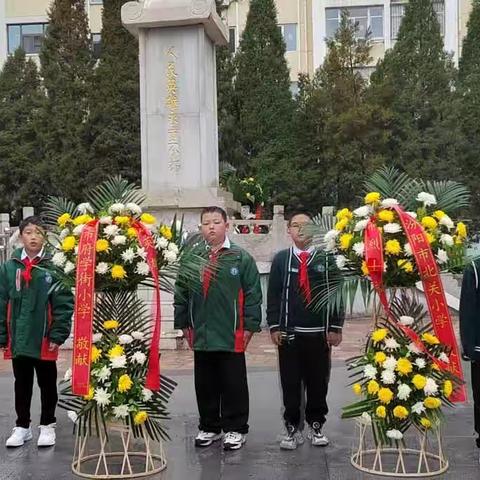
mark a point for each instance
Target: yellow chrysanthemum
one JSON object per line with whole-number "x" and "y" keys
{"x": 386, "y": 216}
{"x": 400, "y": 412}
{"x": 435, "y": 367}
{"x": 380, "y": 357}
{"x": 385, "y": 395}
{"x": 425, "y": 422}
{"x": 381, "y": 412}
{"x": 430, "y": 339}
{"x": 345, "y": 241}
{"x": 95, "y": 354}
{"x": 82, "y": 219}
{"x": 373, "y": 387}
{"x": 447, "y": 388}
{"x": 372, "y": 197}
{"x": 131, "y": 232}
{"x": 68, "y": 243}
{"x": 124, "y": 383}
{"x": 461, "y": 230}
{"x": 118, "y": 272}
{"x": 405, "y": 265}
{"x": 102, "y": 245}
{"x": 122, "y": 220}
{"x": 439, "y": 214}
{"x": 432, "y": 402}
{"x": 429, "y": 222}
{"x": 166, "y": 232}
{"x": 379, "y": 334}
{"x": 365, "y": 268}
{"x": 110, "y": 324}
{"x": 419, "y": 381}
{"x": 148, "y": 219}
{"x": 90, "y": 394}
{"x": 116, "y": 351}
{"x": 341, "y": 224}
{"x": 404, "y": 366}
{"x": 357, "y": 389}
{"x": 344, "y": 213}
{"x": 140, "y": 417}
{"x": 430, "y": 237}
{"x": 392, "y": 247}
{"x": 62, "y": 220}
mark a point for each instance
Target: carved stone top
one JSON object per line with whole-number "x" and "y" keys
{"x": 174, "y": 13}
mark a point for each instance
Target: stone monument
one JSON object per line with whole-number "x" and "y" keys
{"x": 178, "y": 104}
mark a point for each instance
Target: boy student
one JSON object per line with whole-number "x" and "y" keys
{"x": 34, "y": 321}
{"x": 219, "y": 317}
{"x": 303, "y": 335}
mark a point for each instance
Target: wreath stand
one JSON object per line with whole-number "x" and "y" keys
{"x": 118, "y": 455}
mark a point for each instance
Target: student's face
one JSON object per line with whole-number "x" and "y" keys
{"x": 214, "y": 228}
{"x": 297, "y": 230}
{"x": 32, "y": 238}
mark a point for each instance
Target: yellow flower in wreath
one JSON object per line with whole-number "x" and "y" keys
{"x": 341, "y": 224}
{"x": 385, "y": 395}
{"x": 419, "y": 381}
{"x": 432, "y": 402}
{"x": 344, "y": 213}
{"x": 381, "y": 411}
{"x": 90, "y": 394}
{"x": 365, "y": 268}
{"x": 380, "y": 357}
{"x": 102, "y": 245}
{"x": 115, "y": 352}
{"x": 131, "y": 232}
{"x": 148, "y": 219}
{"x": 404, "y": 366}
{"x": 405, "y": 265}
{"x": 62, "y": 220}
{"x": 122, "y": 220}
{"x": 95, "y": 354}
{"x": 379, "y": 334}
{"x": 118, "y": 272}
{"x": 392, "y": 247}
{"x": 357, "y": 389}
{"x": 461, "y": 230}
{"x": 430, "y": 339}
{"x": 373, "y": 387}
{"x": 447, "y": 388}
{"x": 430, "y": 237}
{"x": 429, "y": 223}
{"x": 68, "y": 243}
{"x": 400, "y": 412}
{"x": 140, "y": 417}
{"x": 386, "y": 216}
{"x": 372, "y": 197}
{"x": 124, "y": 383}
{"x": 82, "y": 219}
{"x": 110, "y": 324}
{"x": 439, "y": 214}
{"x": 425, "y": 422}
{"x": 166, "y": 232}
{"x": 345, "y": 241}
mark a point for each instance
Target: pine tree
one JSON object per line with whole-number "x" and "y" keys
{"x": 20, "y": 97}
{"x": 415, "y": 79}
{"x": 114, "y": 125}
{"x": 66, "y": 68}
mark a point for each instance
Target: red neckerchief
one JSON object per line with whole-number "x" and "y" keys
{"x": 27, "y": 273}
{"x": 208, "y": 271}
{"x": 303, "y": 280}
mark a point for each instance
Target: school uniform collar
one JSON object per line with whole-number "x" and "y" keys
{"x": 227, "y": 245}
{"x": 39, "y": 255}
{"x": 297, "y": 251}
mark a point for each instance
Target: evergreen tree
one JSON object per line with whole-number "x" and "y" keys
{"x": 114, "y": 125}
{"x": 66, "y": 69}
{"x": 20, "y": 97}
{"x": 470, "y": 61}
{"x": 416, "y": 80}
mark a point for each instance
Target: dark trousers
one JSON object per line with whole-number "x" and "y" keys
{"x": 23, "y": 370}
{"x": 222, "y": 391}
{"x": 305, "y": 364}
{"x": 475, "y": 369}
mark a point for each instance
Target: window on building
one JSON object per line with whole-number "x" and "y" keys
{"x": 397, "y": 11}
{"x": 289, "y": 33}
{"x": 29, "y": 36}
{"x": 96, "y": 44}
{"x": 232, "y": 39}
{"x": 369, "y": 20}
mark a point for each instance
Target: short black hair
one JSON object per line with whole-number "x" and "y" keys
{"x": 299, "y": 212}
{"x": 214, "y": 209}
{"x": 32, "y": 220}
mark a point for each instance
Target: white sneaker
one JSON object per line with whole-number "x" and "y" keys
{"x": 234, "y": 440}
{"x": 292, "y": 439}
{"x": 19, "y": 436}
{"x": 316, "y": 436}
{"x": 205, "y": 439}
{"x": 47, "y": 435}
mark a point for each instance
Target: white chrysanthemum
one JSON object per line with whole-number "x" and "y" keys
{"x": 418, "y": 408}
{"x": 111, "y": 230}
{"x": 107, "y": 220}
{"x": 128, "y": 255}
{"x": 412, "y": 214}
{"x": 68, "y": 375}
{"x": 427, "y": 199}
{"x": 120, "y": 411}
{"x": 406, "y": 320}
{"x": 102, "y": 268}
{"x": 403, "y": 391}
{"x": 370, "y": 372}
{"x": 446, "y": 239}
{"x": 119, "y": 362}
{"x": 72, "y": 416}
{"x": 103, "y": 374}
{"x": 340, "y": 261}
{"x": 390, "y": 363}
{"x": 360, "y": 226}
{"x": 394, "y": 434}
{"x": 125, "y": 339}
{"x": 116, "y": 208}
{"x": 172, "y": 247}
{"x": 59, "y": 259}
{"x": 102, "y": 397}
{"x": 170, "y": 257}
{"x": 85, "y": 208}
{"x": 142, "y": 268}
{"x": 389, "y": 202}
{"x": 119, "y": 240}
{"x": 69, "y": 267}
{"x": 134, "y": 208}
{"x": 96, "y": 337}
{"x": 138, "y": 335}
{"x": 139, "y": 357}
{"x": 431, "y": 387}
{"x": 64, "y": 233}
{"x": 148, "y": 226}
{"x": 388, "y": 377}
{"x": 391, "y": 344}
{"x": 420, "y": 363}
{"x": 412, "y": 348}
{"x": 141, "y": 253}
{"x": 442, "y": 256}
{"x": 408, "y": 250}
{"x": 444, "y": 357}
{"x": 364, "y": 211}
{"x": 331, "y": 235}
{"x": 146, "y": 394}
{"x": 78, "y": 230}
{"x": 359, "y": 249}
{"x": 331, "y": 246}
{"x": 162, "y": 243}
{"x": 366, "y": 418}
{"x": 446, "y": 221}
{"x": 392, "y": 228}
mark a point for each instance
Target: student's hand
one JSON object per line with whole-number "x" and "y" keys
{"x": 276, "y": 338}
{"x": 52, "y": 346}
{"x": 334, "y": 339}
{"x": 247, "y": 336}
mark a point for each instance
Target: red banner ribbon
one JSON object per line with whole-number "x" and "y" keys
{"x": 433, "y": 290}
